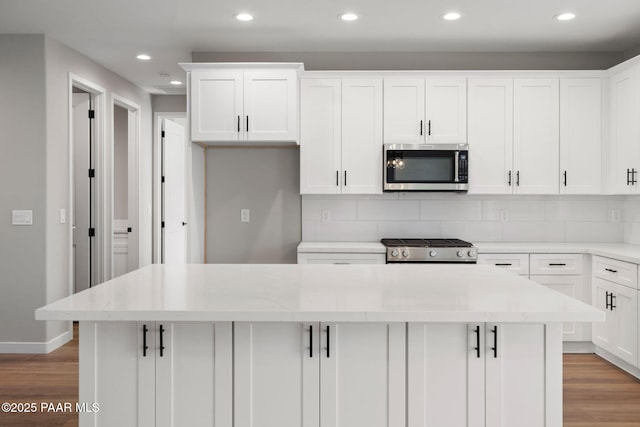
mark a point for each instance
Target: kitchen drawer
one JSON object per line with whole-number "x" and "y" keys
{"x": 555, "y": 264}
{"x": 341, "y": 258}
{"x": 621, "y": 272}
{"x": 516, "y": 263}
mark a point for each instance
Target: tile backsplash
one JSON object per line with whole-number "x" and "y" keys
{"x": 472, "y": 217}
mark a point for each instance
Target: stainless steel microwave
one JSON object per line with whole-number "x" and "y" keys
{"x": 426, "y": 167}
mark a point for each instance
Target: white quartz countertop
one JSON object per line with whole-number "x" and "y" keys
{"x": 292, "y": 292}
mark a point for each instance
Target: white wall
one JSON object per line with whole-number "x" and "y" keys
{"x": 23, "y": 175}
{"x": 470, "y": 217}
{"x": 197, "y": 210}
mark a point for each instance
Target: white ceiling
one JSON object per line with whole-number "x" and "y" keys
{"x": 112, "y": 32}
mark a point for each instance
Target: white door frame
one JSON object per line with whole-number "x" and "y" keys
{"x": 134, "y": 136}
{"x": 99, "y": 133}
{"x": 157, "y": 177}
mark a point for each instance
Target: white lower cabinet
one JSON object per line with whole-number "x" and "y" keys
{"x": 475, "y": 375}
{"x": 619, "y": 333}
{"x": 341, "y": 258}
{"x": 156, "y": 373}
{"x": 571, "y": 286}
{"x": 319, "y": 374}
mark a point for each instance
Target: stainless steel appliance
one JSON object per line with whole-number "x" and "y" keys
{"x": 430, "y": 251}
{"x": 426, "y": 167}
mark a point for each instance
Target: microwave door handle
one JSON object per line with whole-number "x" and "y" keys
{"x": 456, "y": 167}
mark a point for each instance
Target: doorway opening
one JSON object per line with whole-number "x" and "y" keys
{"x": 125, "y": 225}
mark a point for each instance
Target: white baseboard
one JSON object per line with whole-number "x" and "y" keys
{"x": 570, "y": 347}
{"x": 625, "y": 366}
{"x": 36, "y": 347}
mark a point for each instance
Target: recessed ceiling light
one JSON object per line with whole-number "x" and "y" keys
{"x": 349, "y": 16}
{"x": 244, "y": 17}
{"x": 568, "y": 16}
{"x": 175, "y": 82}
{"x": 451, "y": 16}
{"x": 143, "y": 57}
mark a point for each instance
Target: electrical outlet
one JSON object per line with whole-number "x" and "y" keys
{"x": 326, "y": 215}
{"x": 244, "y": 215}
{"x": 504, "y": 215}
{"x": 615, "y": 215}
{"x": 63, "y": 216}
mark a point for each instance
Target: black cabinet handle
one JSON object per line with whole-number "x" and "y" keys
{"x": 145, "y": 347}
{"x": 337, "y": 177}
{"x": 328, "y": 340}
{"x": 633, "y": 176}
{"x": 477, "y": 347}
{"x": 503, "y": 264}
{"x": 129, "y": 229}
{"x": 610, "y": 270}
{"x": 184, "y": 223}
{"x": 606, "y": 300}
{"x": 429, "y": 127}
{"x": 628, "y": 172}
{"x": 420, "y": 127}
{"x": 509, "y": 179}
{"x": 612, "y": 306}
{"x": 557, "y": 264}
{"x": 345, "y": 178}
{"x": 518, "y": 178}
{"x": 494, "y": 331}
{"x": 161, "y": 340}
{"x": 238, "y": 124}
{"x": 565, "y": 178}
{"x": 247, "y": 123}
{"x": 310, "y": 340}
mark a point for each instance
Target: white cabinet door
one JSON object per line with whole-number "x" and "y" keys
{"x": 117, "y": 373}
{"x": 194, "y": 375}
{"x": 580, "y": 136}
{"x": 362, "y": 374}
{"x": 270, "y": 105}
{"x": 517, "y": 376}
{"x": 490, "y": 136}
{"x": 320, "y": 136}
{"x": 603, "y": 334}
{"x": 536, "y": 136}
{"x": 625, "y": 132}
{"x": 445, "y": 375}
{"x": 571, "y": 286}
{"x": 404, "y": 118}
{"x": 362, "y": 136}
{"x": 624, "y": 305}
{"x": 446, "y": 110}
{"x": 216, "y": 105}
{"x": 276, "y": 374}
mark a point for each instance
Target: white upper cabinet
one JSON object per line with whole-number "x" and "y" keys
{"x": 418, "y": 111}
{"x": 580, "y": 136}
{"x": 625, "y": 132}
{"x": 536, "y": 141}
{"x": 490, "y": 136}
{"x": 244, "y": 105}
{"x": 341, "y": 136}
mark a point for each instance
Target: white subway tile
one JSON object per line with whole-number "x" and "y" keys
{"x": 576, "y": 210}
{"x": 517, "y": 210}
{"x": 390, "y": 210}
{"x": 473, "y": 231}
{"x": 595, "y": 231}
{"x": 340, "y": 210}
{"x": 408, "y": 229}
{"x": 308, "y": 230}
{"x": 347, "y": 231}
{"x": 451, "y": 210}
{"x": 632, "y": 209}
{"x": 632, "y": 233}
{"x": 533, "y": 231}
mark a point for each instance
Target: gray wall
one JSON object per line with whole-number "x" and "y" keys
{"x": 264, "y": 180}
{"x": 426, "y": 60}
{"x": 169, "y": 103}
{"x": 197, "y": 209}
{"x": 23, "y": 280}
{"x": 120, "y": 162}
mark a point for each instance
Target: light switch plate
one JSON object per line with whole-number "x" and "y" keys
{"x": 244, "y": 215}
{"x": 63, "y": 216}
{"x": 22, "y": 217}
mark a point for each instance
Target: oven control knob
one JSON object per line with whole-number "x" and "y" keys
{"x": 433, "y": 253}
{"x": 405, "y": 253}
{"x": 394, "y": 253}
{"x": 460, "y": 254}
{"x": 472, "y": 253}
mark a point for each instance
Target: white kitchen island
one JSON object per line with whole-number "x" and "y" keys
{"x": 321, "y": 346}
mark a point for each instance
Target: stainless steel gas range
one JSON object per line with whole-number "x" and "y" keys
{"x": 430, "y": 251}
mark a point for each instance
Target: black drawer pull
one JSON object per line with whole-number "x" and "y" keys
{"x": 145, "y": 347}
{"x": 161, "y": 341}
{"x": 477, "y": 347}
{"x": 495, "y": 341}
{"x": 328, "y": 339}
{"x": 310, "y": 340}
{"x": 557, "y": 264}
{"x": 503, "y": 264}
{"x": 610, "y": 270}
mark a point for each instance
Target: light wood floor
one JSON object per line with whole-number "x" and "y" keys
{"x": 596, "y": 394}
